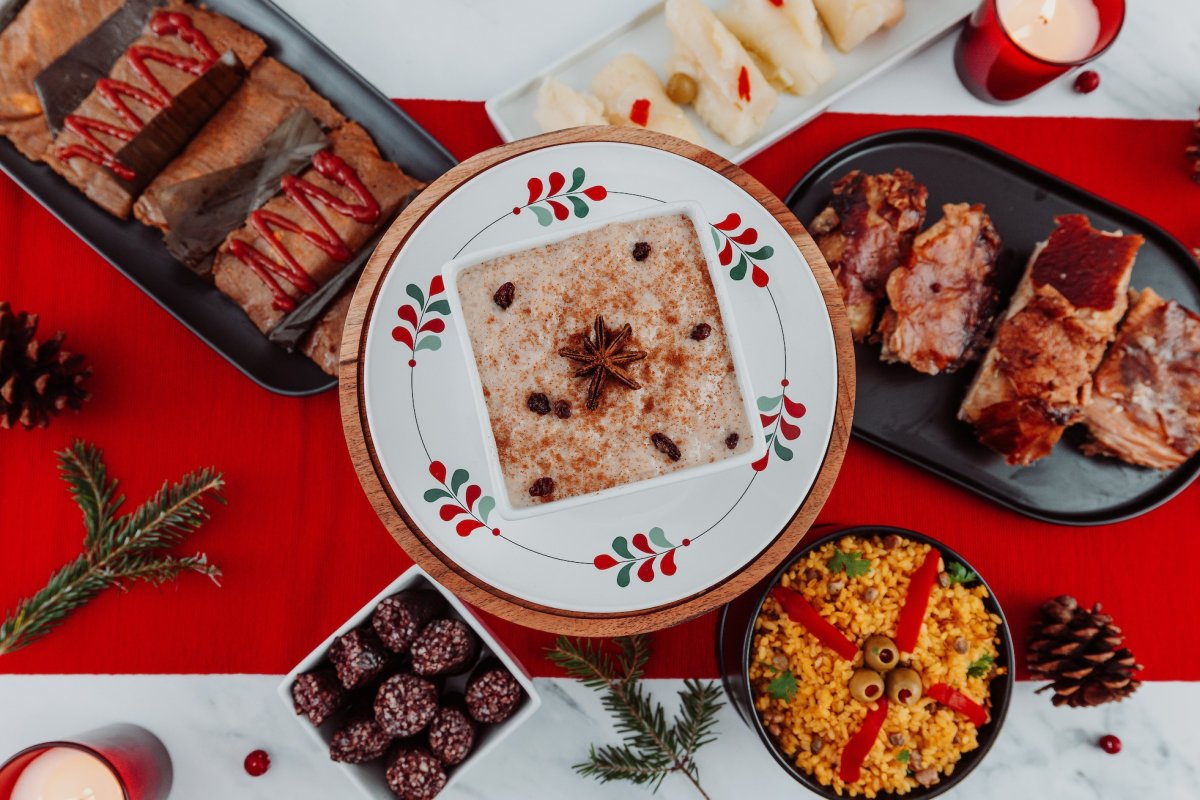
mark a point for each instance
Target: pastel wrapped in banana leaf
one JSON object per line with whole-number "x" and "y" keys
{"x": 308, "y": 233}
{"x": 178, "y": 47}
{"x": 38, "y": 35}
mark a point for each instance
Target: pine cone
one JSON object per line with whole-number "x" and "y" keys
{"x": 1081, "y": 652}
{"x": 36, "y": 380}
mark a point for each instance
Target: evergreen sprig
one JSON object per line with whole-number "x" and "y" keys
{"x": 117, "y": 550}
{"x": 652, "y": 748}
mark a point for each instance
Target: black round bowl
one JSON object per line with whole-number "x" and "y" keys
{"x": 735, "y": 635}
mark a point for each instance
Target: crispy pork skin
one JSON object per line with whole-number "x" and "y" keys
{"x": 1037, "y": 376}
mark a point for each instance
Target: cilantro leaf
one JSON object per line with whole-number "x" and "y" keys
{"x": 981, "y": 666}
{"x": 783, "y": 686}
{"x": 853, "y": 564}
{"x": 959, "y": 573}
{"x": 903, "y": 756}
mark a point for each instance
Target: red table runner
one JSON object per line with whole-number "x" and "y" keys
{"x": 301, "y": 548}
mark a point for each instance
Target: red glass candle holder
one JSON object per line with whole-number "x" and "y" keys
{"x": 135, "y": 757}
{"x": 994, "y": 67}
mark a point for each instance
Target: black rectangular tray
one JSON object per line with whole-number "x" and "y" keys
{"x": 139, "y": 253}
{"x": 915, "y": 416}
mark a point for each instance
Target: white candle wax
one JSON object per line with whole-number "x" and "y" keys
{"x": 1063, "y": 31}
{"x": 65, "y": 773}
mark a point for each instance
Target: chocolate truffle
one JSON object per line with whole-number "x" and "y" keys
{"x": 414, "y": 774}
{"x": 360, "y": 740}
{"x": 405, "y": 704}
{"x": 451, "y": 734}
{"x": 399, "y": 618}
{"x": 493, "y": 694}
{"x": 444, "y": 647}
{"x": 317, "y": 695}
{"x": 359, "y": 657}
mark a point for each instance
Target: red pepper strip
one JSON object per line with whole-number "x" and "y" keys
{"x": 916, "y": 602}
{"x": 956, "y": 700}
{"x": 850, "y": 768}
{"x": 799, "y": 610}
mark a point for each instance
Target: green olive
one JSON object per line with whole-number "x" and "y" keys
{"x": 904, "y": 686}
{"x": 880, "y": 653}
{"x": 866, "y": 685}
{"x": 681, "y": 88}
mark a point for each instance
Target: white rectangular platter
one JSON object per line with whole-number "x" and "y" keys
{"x": 647, "y": 35}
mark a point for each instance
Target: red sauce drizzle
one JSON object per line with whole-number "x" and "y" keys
{"x": 113, "y": 92}
{"x": 744, "y": 85}
{"x": 639, "y": 113}
{"x": 298, "y": 190}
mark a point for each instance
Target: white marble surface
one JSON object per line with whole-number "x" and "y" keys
{"x": 473, "y": 49}
{"x": 210, "y": 723}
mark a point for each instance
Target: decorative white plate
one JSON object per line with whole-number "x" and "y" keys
{"x": 621, "y": 554}
{"x": 647, "y": 35}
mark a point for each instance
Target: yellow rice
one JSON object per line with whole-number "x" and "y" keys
{"x": 822, "y": 706}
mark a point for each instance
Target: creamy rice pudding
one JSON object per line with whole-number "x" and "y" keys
{"x": 603, "y": 360}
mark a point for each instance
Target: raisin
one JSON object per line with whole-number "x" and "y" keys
{"x": 731, "y": 441}
{"x": 538, "y": 403}
{"x": 640, "y": 251}
{"x": 665, "y": 446}
{"x": 935, "y": 287}
{"x": 542, "y": 487}
{"x": 562, "y": 409}
{"x": 701, "y": 331}
{"x": 504, "y": 295}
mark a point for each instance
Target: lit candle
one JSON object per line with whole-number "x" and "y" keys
{"x": 1062, "y": 31}
{"x": 67, "y": 773}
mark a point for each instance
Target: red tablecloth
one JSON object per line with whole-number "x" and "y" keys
{"x": 302, "y": 549}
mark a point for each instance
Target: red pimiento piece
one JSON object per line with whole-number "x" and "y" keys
{"x": 916, "y": 602}
{"x": 957, "y": 701}
{"x": 257, "y": 763}
{"x": 801, "y": 611}
{"x": 744, "y": 85}
{"x": 855, "y": 752}
{"x": 1110, "y": 744}
{"x": 639, "y": 113}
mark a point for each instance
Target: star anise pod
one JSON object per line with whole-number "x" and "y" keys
{"x": 603, "y": 358}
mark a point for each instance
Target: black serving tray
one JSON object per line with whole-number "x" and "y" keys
{"x": 138, "y": 252}
{"x": 914, "y": 415}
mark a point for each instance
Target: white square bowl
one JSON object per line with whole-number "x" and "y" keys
{"x": 695, "y": 214}
{"x": 370, "y": 778}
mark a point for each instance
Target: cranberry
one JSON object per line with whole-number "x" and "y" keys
{"x": 1087, "y": 81}
{"x": 257, "y": 763}
{"x": 1110, "y": 744}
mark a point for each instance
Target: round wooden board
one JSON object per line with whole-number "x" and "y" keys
{"x": 418, "y": 545}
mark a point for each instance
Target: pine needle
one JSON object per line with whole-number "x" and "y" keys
{"x": 117, "y": 550}
{"x": 651, "y": 748}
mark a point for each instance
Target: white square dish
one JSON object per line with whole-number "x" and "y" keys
{"x": 451, "y": 273}
{"x": 369, "y": 778}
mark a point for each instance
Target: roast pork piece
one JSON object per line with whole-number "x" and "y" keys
{"x": 865, "y": 232}
{"x": 942, "y": 301}
{"x": 1037, "y": 376}
{"x": 1145, "y": 405}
